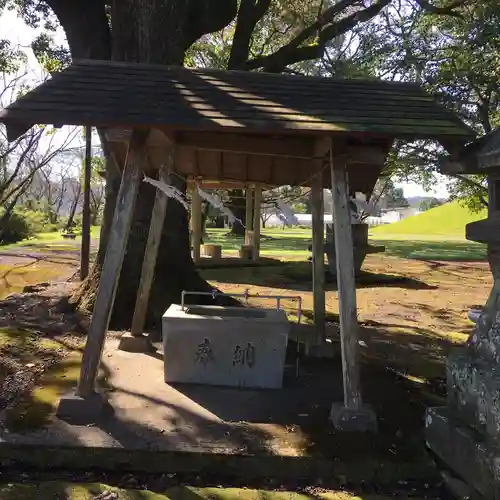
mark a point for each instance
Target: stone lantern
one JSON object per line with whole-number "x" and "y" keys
{"x": 465, "y": 434}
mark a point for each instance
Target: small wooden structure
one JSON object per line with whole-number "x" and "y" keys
{"x": 244, "y": 129}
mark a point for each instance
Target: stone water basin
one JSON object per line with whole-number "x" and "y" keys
{"x": 225, "y": 346}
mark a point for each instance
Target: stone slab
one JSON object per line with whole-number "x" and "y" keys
{"x": 225, "y": 346}
{"x": 464, "y": 452}
{"x": 152, "y": 415}
{"x": 83, "y": 411}
{"x": 348, "y": 420}
{"x": 474, "y": 392}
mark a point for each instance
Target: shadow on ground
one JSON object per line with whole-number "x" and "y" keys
{"x": 298, "y": 276}
{"x": 264, "y": 426}
{"x": 447, "y": 251}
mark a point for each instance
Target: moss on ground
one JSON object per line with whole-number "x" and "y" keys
{"x": 35, "y": 408}
{"x": 71, "y": 491}
{"x": 14, "y": 277}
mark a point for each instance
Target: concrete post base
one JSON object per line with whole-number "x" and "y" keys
{"x": 131, "y": 343}
{"x": 83, "y": 411}
{"x": 322, "y": 351}
{"x": 347, "y": 420}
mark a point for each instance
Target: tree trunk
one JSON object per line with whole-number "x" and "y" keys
{"x": 153, "y": 32}
{"x": 72, "y": 212}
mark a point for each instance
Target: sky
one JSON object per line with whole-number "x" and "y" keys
{"x": 14, "y": 29}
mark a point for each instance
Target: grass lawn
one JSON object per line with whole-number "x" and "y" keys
{"x": 447, "y": 220}
{"x": 292, "y": 244}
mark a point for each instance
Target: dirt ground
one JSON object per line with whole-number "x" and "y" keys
{"x": 411, "y": 313}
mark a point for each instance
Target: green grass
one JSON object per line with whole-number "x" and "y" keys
{"x": 437, "y": 234}
{"x": 53, "y": 237}
{"x": 447, "y": 220}
{"x": 288, "y": 243}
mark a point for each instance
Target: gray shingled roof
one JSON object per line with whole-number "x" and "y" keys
{"x": 479, "y": 157}
{"x": 108, "y": 94}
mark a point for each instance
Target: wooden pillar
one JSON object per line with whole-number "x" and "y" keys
{"x": 346, "y": 284}
{"x": 148, "y": 267}
{"x": 256, "y": 223}
{"x": 87, "y": 176}
{"x": 248, "y": 215}
{"x": 196, "y": 223}
{"x": 318, "y": 256}
{"x": 111, "y": 269}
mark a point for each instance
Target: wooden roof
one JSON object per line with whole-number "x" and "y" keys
{"x": 111, "y": 94}
{"x": 479, "y": 157}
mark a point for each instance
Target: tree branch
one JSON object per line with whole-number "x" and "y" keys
{"x": 470, "y": 182}
{"x": 295, "y": 51}
{"x": 249, "y": 14}
{"x": 448, "y": 10}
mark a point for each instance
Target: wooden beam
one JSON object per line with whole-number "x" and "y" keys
{"x": 196, "y": 223}
{"x": 256, "y": 222}
{"x": 346, "y": 284}
{"x": 111, "y": 269}
{"x": 318, "y": 254}
{"x": 151, "y": 252}
{"x": 248, "y": 215}
{"x": 87, "y": 176}
{"x": 238, "y": 143}
{"x": 118, "y": 134}
{"x": 215, "y": 184}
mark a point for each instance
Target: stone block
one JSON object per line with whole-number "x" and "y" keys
{"x": 138, "y": 343}
{"x": 83, "y": 411}
{"x": 464, "y": 451}
{"x": 227, "y": 346}
{"x": 464, "y": 377}
{"x": 348, "y": 420}
{"x": 474, "y": 393}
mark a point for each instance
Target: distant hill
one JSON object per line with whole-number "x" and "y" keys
{"x": 415, "y": 201}
{"x": 447, "y": 220}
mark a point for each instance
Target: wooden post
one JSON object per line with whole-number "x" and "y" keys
{"x": 111, "y": 269}
{"x": 87, "y": 176}
{"x": 256, "y": 223}
{"x": 318, "y": 257}
{"x": 248, "y": 215}
{"x": 196, "y": 223}
{"x": 346, "y": 284}
{"x": 149, "y": 262}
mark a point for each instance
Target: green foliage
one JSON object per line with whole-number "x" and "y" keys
{"x": 16, "y": 228}
{"x": 471, "y": 191}
{"x": 395, "y": 198}
{"x": 11, "y": 58}
{"x": 429, "y": 203}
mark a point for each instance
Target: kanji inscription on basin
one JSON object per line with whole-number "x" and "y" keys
{"x": 204, "y": 353}
{"x": 228, "y": 346}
